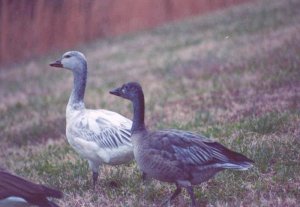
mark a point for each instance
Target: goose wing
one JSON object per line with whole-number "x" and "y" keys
{"x": 11, "y": 185}
{"x": 105, "y": 128}
{"x": 194, "y": 150}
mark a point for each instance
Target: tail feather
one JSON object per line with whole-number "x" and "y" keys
{"x": 235, "y": 166}
{"x": 240, "y": 161}
{"x": 230, "y": 159}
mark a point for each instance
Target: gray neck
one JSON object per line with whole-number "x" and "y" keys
{"x": 77, "y": 95}
{"x": 138, "y": 114}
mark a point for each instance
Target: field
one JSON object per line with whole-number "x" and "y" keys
{"x": 232, "y": 75}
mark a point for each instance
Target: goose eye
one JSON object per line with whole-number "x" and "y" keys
{"x": 67, "y": 56}
{"x": 123, "y": 90}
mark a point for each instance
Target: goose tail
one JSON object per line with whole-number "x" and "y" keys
{"x": 237, "y": 166}
{"x": 229, "y": 159}
{"x": 238, "y": 161}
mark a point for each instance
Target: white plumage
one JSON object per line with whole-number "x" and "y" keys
{"x": 14, "y": 202}
{"x": 100, "y": 136}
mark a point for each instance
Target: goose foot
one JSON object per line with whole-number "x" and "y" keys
{"x": 174, "y": 195}
{"x": 166, "y": 203}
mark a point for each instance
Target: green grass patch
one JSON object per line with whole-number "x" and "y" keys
{"x": 268, "y": 123}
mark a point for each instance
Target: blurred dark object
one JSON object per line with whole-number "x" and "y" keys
{"x": 33, "y": 28}
{"x": 15, "y": 190}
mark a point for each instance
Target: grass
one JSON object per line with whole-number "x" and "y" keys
{"x": 232, "y": 75}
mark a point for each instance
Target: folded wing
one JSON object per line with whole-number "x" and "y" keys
{"x": 107, "y": 129}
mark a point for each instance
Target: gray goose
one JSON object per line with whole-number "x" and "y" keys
{"x": 100, "y": 136}
{"x": 175, "y": 156}
{"x": 16, "y": 191}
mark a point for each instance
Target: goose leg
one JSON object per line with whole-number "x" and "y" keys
{"x": 95, "y": 178}
{"x": 95, "y": 168}
{"x": 191, "y": 192}
{"x": 144, "y": 176}
{"x": 174, "y": 195}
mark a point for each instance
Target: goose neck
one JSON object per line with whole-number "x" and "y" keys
{"x": 138, "y": 114}
{"x": 79, "y": 84}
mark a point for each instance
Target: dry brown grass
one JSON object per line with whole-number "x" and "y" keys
{"x": 232, "y": 75}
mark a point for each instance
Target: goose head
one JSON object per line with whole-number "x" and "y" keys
{"x": 72, "y": 60}
{"x": 130, "y": 91}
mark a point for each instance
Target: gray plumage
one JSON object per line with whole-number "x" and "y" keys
{"x": 100, "y": 136}
{"x": 176, "y": 156}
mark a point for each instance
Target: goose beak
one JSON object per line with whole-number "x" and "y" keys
{"x": 57, "y": 64}
{"x": 116, "y": 92}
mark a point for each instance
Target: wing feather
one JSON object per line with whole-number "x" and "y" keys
{"x": 105, "y": 128}
{"x": 11, "y": 185}
{"x": 192, "y": 149}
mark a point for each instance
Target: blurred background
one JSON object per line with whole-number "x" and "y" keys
{"x": 34, "y": 28}
{"x": 228, "y": 69}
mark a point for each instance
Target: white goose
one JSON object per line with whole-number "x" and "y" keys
{"x": 100, "y": 136}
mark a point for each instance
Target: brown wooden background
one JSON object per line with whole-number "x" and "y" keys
{"x": 30, "y": 28}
